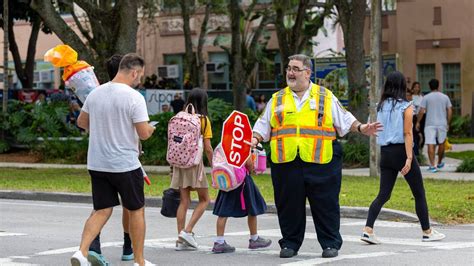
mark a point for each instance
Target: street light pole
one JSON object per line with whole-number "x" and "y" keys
{"x": 375, "y": 76}
{"x": 5, "y": 55}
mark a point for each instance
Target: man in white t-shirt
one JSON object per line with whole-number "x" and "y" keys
{"x": 438, "y": 109}
{"x": 116, "y": 117}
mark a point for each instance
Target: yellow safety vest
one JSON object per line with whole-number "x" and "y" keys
{"x": 309, "y": 132}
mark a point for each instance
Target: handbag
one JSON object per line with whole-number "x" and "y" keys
{"x": 170, "y": 202}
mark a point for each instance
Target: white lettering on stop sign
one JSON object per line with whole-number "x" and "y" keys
{"x": 237, "y": 135}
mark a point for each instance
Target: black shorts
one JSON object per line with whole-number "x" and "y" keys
{"x": 106, "y": 187}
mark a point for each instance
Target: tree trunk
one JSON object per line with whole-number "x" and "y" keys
{"x": 280, "y": 7}
{"x": 238, "y": 80}
{"x": 352, "y": 18}
{"x": 113, "y": 29}
{"x": 24, "y": 73}
{"x": 375, "y": 77}
{"x": 53, "y": 20}
{"x": 189, "y": 67}
{"x": 296, "y": 39}
{"x": 200, "y": 63}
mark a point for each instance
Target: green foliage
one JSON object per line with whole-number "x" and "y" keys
{"x": 461, "y": 140}
{"x": 218, "y": 111}
{"x": 355, "y": 155}
{"x": 155, "y": 147}
{"x": 24, "y": 123}
{"x": 64, "y": 151}
{"x": 461, "y": 155}
{"x": 4, "y": 147}
{"x": 467, "y": 166}
{"x": 460, "y": 126}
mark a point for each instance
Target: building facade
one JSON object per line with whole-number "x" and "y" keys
{"x": 433, "y": 39}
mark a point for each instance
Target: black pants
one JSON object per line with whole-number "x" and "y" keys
{"x": 392, "y": 160}
{"x": 418, "y": 142}
{"x": 296, "y": 181}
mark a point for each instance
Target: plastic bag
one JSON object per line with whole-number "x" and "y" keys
{"x": 78, "y": 75}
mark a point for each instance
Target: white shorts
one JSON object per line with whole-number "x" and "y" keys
{"x": 435, "y": 134}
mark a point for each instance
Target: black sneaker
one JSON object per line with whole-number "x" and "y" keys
{"x": 287, "y": 253}
{"x": 330, "y": 253}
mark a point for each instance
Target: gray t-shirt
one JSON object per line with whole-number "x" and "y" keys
{"x": 436, "y": 104}
{"x": 113, "y": 109}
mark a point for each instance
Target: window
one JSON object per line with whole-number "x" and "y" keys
{"x": 384, "y": 22}
{"x": 437, "y": 15}
{"x": 452, "y": 85}
{"x": 173, "y": 83}
{"x": 219, "y": 80}
{"x": 269, "y": 72}
{"x": 173, "y": 5}
{"x": 425, "y": 73}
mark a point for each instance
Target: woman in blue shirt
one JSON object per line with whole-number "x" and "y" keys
{"x": 395, "y": 112}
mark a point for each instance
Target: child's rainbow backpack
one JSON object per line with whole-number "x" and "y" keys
{"x": 225, "y": 177}
{"x": 184, "y": 139}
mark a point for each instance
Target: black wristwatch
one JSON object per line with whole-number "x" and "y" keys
{"x": 358, "y": 127}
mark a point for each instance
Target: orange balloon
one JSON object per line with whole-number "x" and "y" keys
{"x": 60, "y": 56}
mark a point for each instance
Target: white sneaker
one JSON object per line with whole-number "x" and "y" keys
{"x": 188, "y": 238}
{"x": 433, "y": 236}
{"x": 79, "y": 260}
{"x": 147, "y": 263}
{"x": 369, "y": 238}
{"x": 183, "y": 246}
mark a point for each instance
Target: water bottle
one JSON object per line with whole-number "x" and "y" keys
{"x": 261, "y": 163}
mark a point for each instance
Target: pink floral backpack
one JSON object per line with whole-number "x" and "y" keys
{"x": 185, "y": 144}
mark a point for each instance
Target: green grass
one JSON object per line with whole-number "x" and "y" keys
{"x": 448, "y": 201}
{"x": 461, "y": 155}
{"x": 453, "y": 140}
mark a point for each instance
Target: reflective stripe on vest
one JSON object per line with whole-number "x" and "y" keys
{"x": 309, "y": 131}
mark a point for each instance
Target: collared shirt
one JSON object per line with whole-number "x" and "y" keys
{"x": 342, "y": 119}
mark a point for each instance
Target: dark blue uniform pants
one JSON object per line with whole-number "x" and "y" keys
{"x": 296, "y": 181}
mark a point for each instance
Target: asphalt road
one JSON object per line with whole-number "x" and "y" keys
{"x": 47, "y": 233}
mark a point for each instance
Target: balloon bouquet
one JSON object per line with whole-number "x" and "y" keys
{"x": 78, "y": 75}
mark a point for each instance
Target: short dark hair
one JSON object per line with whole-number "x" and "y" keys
{"x": 131, "y": 61}
{"x": 306, "y": 60}
{"x": 434, "y": 84}
{"x": 112, "y": 64}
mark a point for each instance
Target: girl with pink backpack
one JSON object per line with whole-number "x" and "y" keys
{"x": 190, "y": 176}
{"x": 242, "y": 201}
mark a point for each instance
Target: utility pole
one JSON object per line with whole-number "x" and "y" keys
{"x": 375, "y": 77}
{"x": 5, "y": 55}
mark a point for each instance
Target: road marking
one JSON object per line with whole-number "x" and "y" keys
{"x": 384, "y": 240}
{"x": 383, "y": 224}
{"x": 9, "y": 262}
{"x": 11, "y": 234}
{"x": 341, "y": 257}
{"x": 47, "y": 205}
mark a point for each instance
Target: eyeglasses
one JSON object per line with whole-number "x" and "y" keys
{"x": 294, "y": 69}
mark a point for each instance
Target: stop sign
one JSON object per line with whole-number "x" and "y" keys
{"x": 236, "y": 138}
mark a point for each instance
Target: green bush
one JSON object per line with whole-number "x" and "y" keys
{"x": 467, "y": 166}
{"x": 4, "y": 147}
{"x": 24, "y": 123}
{"x": 460, "y": 126}
{"x": 63, "y": 151}
{"x": 155, "y": 147}
{"x": 355, "y": 154}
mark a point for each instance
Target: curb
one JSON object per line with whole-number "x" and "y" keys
{"x": 346, "y": 212}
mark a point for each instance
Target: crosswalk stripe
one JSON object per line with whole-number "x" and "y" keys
{"x": 11, "y": 234}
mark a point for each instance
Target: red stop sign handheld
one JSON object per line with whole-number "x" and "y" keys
{"x": 236, "y": 138}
